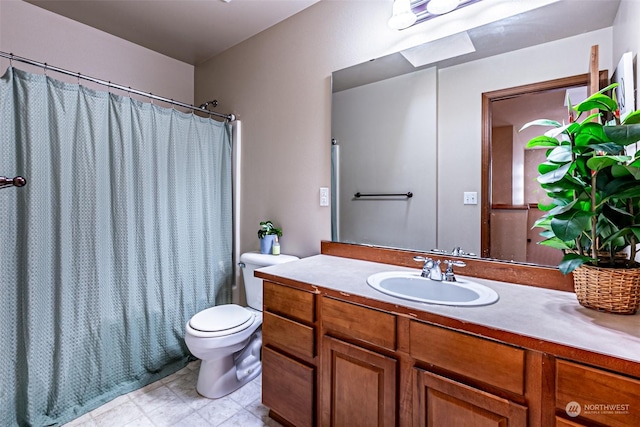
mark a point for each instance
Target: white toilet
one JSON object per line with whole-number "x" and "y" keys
{"x": 228, "y": 338}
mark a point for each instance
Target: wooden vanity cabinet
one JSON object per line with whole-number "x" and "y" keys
{"x": 289, "y": 355}
{"x": 332, "y": 360}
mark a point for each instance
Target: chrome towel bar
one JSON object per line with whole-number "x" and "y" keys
{"x": 408, "y": 195}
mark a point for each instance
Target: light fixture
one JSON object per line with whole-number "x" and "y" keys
{"x": 440, "y": 7}
{"x": 407, "y": 13}
{"x": 403, "y": 17}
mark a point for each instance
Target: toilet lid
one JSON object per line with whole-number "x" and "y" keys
{"x": 221, "y": 318}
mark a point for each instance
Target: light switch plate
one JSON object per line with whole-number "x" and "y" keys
{"x": 470, "y": 198}
{"x": 324, "y": 196}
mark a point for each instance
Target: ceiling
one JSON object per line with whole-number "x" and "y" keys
{"x": 191, "y": 31}
{"x": 194, "y": 31}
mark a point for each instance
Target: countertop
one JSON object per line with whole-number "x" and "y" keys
{"x": 544, "y": 315}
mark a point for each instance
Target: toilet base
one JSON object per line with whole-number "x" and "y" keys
{"x": 219, "y": 377}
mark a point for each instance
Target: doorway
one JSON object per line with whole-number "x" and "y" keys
{"x": 510, "y": 192}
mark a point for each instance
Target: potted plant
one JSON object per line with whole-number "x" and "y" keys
{"x": 594, "y": 214}
{"x": 267, "y": 234}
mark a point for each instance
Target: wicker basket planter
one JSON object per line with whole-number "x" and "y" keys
{"x": 613, "y": 290}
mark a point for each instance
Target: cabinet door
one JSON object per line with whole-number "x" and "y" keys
{"x": 358, "y": 386}
{"x": 288, "y": 388}
{"x": 439, "y": 401}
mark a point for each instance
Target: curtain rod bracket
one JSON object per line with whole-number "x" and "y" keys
{"x": 18, "y": 181}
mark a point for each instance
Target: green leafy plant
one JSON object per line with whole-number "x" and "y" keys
{"x": 266, "y": 228}
{"x": 594, "y": 186}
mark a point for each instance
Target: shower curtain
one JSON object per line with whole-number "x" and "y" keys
{"x": 122, "y": 233}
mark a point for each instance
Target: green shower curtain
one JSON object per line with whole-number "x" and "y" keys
{"x": 122, "y": 233}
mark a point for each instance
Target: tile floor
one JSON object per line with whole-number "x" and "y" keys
{"x": 174, "y": 402}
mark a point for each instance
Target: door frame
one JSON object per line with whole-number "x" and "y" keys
{"x": 487, "y": 99}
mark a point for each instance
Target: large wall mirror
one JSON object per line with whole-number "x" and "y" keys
{"x": 407, "y": 153}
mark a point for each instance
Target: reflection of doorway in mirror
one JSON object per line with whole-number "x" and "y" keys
{"x": 515, "y": 192}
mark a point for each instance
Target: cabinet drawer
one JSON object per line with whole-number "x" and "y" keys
{"x": 493, "y": 363}
{"x": 366, "y": 324}
{"x": 288, "y": 388}
{"x": 602, "y": 396}
{"x": 289, "y": 302}
{"x": 288, "y": 335}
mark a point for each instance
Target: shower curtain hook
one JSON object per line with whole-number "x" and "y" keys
{"x": 78, "y": 79}
{"x": 45, "y": 69}
{"x": 11, "y": 60}
{"x": 129, "y": 92}
{"x": 151, "y": 97}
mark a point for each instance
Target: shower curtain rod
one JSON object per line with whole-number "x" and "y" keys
{"x": 12, "y": 57}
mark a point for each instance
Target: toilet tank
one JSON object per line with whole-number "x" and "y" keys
{"x": 253, "y": 285}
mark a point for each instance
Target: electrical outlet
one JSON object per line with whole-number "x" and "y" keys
{"x": 470, "y": 198}
{"x": 324, "y": 196}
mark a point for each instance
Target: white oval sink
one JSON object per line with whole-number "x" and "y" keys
{"x": 412, "y": 286}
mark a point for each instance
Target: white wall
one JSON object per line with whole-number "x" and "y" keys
{"x": 34, "y": 33}
{"x": 278, "y": 83}
{"x": 387, "y": 137}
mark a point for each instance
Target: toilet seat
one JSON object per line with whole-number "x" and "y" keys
{"x": 221, "y": 320}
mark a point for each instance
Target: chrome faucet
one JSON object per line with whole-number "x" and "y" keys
{"x": 430, "y": 269}
{"x": 457, "y": 251}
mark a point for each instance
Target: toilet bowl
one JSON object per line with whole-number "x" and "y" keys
{"x": 228, "y": 338}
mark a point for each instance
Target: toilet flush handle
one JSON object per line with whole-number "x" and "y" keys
{"x": 241, "y": 265}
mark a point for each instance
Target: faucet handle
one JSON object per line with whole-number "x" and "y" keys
{"x": 427, "y": 266}
{"x": 455, "y": 262}
{"x": 449, "y": 276}
{"x": 440, "y": 251}
{"x": 419, "y": 258}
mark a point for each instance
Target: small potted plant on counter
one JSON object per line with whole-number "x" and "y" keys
{"x": 593, "y": 181}
{"x": 267, "y": 234}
